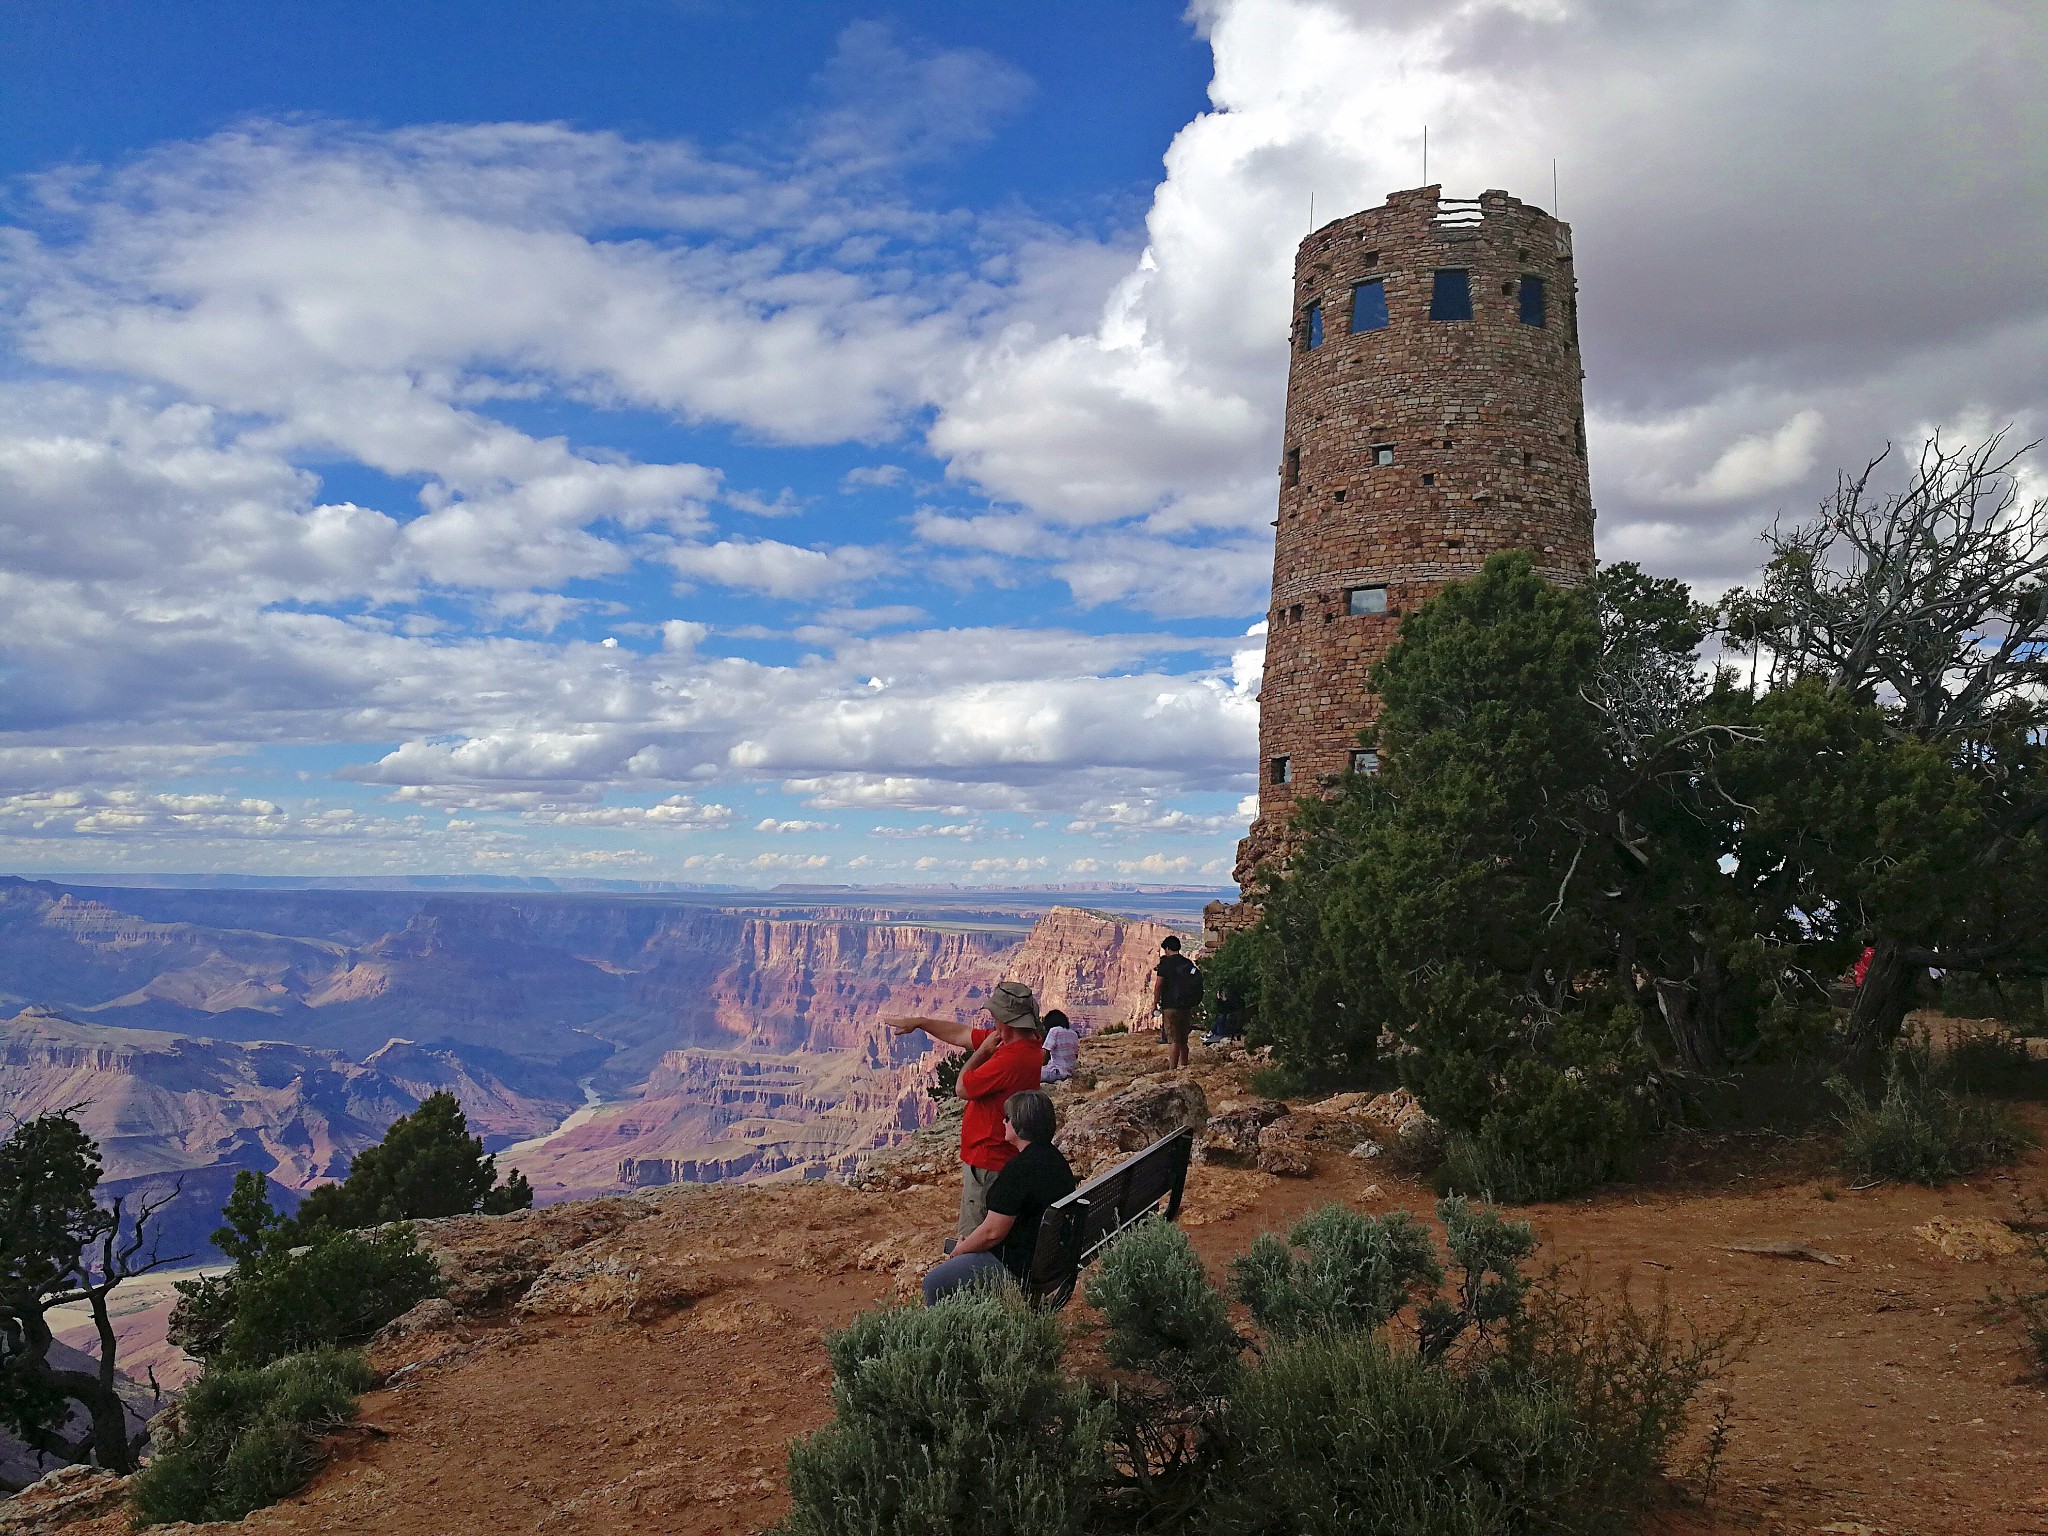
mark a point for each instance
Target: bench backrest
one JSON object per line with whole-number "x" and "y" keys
{"x": 1078, "y": 1227}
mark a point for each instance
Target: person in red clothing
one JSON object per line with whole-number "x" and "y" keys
{"x": 1004, "y": 1060}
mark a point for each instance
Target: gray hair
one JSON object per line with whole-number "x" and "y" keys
{"x": 1031, "y": 1113}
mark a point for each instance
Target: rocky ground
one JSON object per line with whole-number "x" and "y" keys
{"x": 638, "y": 1364}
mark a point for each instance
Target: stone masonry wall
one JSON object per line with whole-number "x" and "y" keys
{"x": 1486, "y": 425}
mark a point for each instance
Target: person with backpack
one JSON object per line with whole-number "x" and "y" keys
{"x": 1176, "y": 992}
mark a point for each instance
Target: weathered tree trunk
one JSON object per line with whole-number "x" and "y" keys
{"x": 1878, "y": 1015}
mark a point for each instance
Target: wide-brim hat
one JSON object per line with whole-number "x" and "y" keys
{"x": 1012, "y": 1003}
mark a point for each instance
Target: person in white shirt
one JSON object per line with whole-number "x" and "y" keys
{"x": 1062, "y": 1048}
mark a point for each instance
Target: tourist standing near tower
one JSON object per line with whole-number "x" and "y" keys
{"x": 1434, "y": 417}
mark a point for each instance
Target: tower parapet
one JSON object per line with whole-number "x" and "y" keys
{"x": 1435, "y": 416}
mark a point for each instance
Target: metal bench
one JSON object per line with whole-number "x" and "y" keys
{"x": 1078, "y": 1227}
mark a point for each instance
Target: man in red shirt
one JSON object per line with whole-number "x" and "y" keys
{"x": 1005, "y": 1060}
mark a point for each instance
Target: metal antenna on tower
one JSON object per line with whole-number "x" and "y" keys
{"x": 1311, "y": 213}
{"x": 1425, "y": 154}
{"x": 1554, "y": 209}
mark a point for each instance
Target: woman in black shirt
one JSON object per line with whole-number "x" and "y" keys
{"x": 1001, "y": 1247}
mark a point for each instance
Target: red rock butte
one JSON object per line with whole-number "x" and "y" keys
{"x": 1435, "y": 416}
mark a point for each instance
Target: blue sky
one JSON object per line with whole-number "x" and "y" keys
{"x": 735, "y": 443}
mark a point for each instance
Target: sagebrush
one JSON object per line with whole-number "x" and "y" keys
{"x": 951, "y": 1418}
{"x": 1399, "y": 1389}
{"x": 247, "y": 1438}
{"x": 1922, "y": 1128}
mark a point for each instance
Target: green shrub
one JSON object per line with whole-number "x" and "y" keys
{"x": 247, "y": 1438}
{"x": 1552, "y": 1413}
{"x": 1629, "y": 1375}
{"x": 1165, "y": 1316}
{"x": 1354, "y": 1273}
{"x": 1922, "y": 1129}
{"x": 1541, "y": 1125}
{"x": 946, "y": 1075}
{"x": 954, "y": 1418}
{"x": 2017, "y": 1000}
{"x": 1489, "y": 1254}
{"x": 1996, "y": 1062}
{"x": 1338, "y": 1435}
{"x": 280, "y": 1301}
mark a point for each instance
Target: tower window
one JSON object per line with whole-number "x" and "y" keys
{"x": 1532, "y": 300}
{"x": 1280, "y": 770}
{"x": 1383, "y": 453}
{"x": 1370, "y": 259}
{"x": 1450, "y": 298}
{"x": 1369, "y": 306}
{"x": 1528, "y": 459}
{"x": 1365, "y": 760}
{"x": 1360, "y": 601}
{"x": 1294, "y": 614}
{"x": 1293, "y": 471}
{"x": 1429, "y": 479}
{"x": 1313, "y": 326}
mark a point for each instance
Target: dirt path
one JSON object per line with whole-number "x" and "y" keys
{"x": 1882, "y": 1399}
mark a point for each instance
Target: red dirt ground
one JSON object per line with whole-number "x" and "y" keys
{"x": 657, "y": 1393}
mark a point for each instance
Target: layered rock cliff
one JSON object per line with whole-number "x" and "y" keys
{"x": 739, "y": 1043}
{"x": 810, "y": 1078}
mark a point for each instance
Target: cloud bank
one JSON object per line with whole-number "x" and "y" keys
{"x": 305, "y": 472}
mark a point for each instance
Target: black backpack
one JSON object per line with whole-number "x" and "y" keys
{"x": 1180, "y": 986}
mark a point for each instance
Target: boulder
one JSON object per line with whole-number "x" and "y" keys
{"x": 66, "y": 1495}
{"x": 1284, "y": 1148}
{"x": 1102, "y": 1131}
{"x": 1232, "y": 1135}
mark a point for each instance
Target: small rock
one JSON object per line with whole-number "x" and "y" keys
{"x": 1284, "y": 1149}
{"x": 1969, "y": 1238}
{"x": 1231, "y": 1137}
{"x": 1368, "y": 1149}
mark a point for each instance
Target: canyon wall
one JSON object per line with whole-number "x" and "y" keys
{"x": 721, "y": 1043}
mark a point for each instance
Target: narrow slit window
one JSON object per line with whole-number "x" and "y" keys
{"x": 1312, "y": 326}
{"x": 1281, "y": 770}
{"x": 1450, "y": 296}
{"x": 1369, "y": 306}
{"x": 1383, "y": 453}
{"x": 1293, "y": 473}
{"x": 1532, "y": 301}
{"x": 1365, "y": 760}
{"x": 1365, "y": 600}
{"x": 1294, "y": 614}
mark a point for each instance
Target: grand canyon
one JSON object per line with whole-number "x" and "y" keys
{"x": 597, "y": 1041}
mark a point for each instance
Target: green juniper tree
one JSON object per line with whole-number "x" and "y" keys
{"x": 1914, "y": 622}
{"x": 427, "y": 1165}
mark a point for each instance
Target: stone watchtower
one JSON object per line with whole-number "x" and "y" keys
{"x": 1434, "y": 416}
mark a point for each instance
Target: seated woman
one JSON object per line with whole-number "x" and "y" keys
{"x": 1001, "y": 1247}
{"x": 1062, "y": 1048}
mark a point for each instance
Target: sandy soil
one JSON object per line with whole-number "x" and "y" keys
{"x": 654, "y": 1388}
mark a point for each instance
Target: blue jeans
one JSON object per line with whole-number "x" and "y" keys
{"x": 960, "y": 1272}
